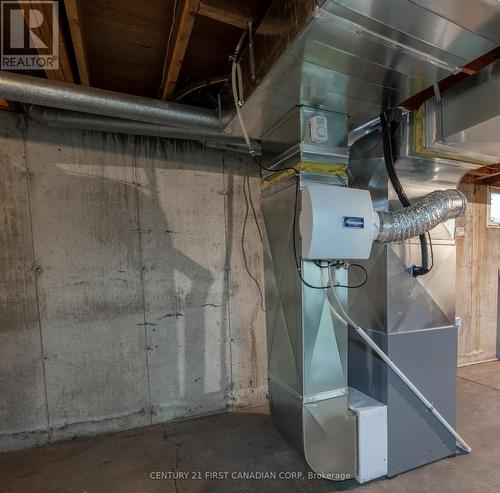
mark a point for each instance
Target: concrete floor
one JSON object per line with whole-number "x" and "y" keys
{"x": 246, "y": 441}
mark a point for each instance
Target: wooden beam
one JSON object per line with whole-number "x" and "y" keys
{"x": 493, "y": 182}
{"x": 174, "y": 61}
{"x": 6, "y": 105}
{"x": 471, "y": 68}
{"x": 492, "y": 173}
{"x": 44, "y": 32}
{"x": 226, "y": 12}
{"x": 487, "y": 175}
{"x": 77, "y": 36}
{"x": 239, "y": 16}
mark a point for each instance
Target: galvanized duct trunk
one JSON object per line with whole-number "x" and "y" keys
{"x": 34, "y": 90}
{"x": 58, "y": 118}
{"x": 412, "y": 319}
{"x": 348, "y": 61}
{"x": 358, "y": 57}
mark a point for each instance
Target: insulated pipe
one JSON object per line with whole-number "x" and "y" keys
{"x": 84, "y": 121}
{"x": 55, "y": 94}
{"x": 420, "y": 217}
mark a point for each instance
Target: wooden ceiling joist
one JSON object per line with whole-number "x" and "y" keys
{"x": 491, "y": 177}
{"x": 77, "y": 36}
{"x": 174, "y": 59}
{"x": 6, "y": 105}
{"x": 63, "y": 72}
{"x": 487, "y": 175}
{"x": 226, "y": 12}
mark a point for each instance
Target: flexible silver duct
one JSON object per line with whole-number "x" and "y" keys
{"x": 422, "y": 216}
{"x": 57, "y": 118}
{"x": 55, "y": 94}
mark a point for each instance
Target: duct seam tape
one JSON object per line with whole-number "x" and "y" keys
{"x": 336, "y": 222}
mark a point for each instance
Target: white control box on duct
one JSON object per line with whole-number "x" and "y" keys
{"x": 336, "y": 222}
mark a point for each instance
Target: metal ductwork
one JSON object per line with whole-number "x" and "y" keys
{"x": 58, "y": 118}
{"x": 422, "y": 216}
{"x": 55, "y": 94}
{"x": 317, "y": 70}
{"x": 411, "y": 318}
{"x": 335, "y": 66}
{"x": 357, "y": 57}
{"x": 464, "y": 121}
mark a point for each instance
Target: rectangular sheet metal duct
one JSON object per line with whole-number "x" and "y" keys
{"x": 358, "y": 57}
{"x": 350, "y": 60}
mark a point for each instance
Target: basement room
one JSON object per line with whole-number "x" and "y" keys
{"x": 250, "y": 246}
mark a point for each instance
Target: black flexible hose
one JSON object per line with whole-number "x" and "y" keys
{"x": 388, "y": 128}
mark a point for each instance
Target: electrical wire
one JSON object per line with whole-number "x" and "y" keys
{"x": 377, "y": 142}
{"x": 236, "y": 85}
{"x": 317, "y": 263}
{"x": 236, "y": 73}
{"x": 254, "y": 212}
{"x": 354, "y": 181}
{"x": 432, "y": 250}
{"x": 342, "y": 181}
{"x": 169, "y": 41}
{"x": 273, "y": 170}
{"x": 237, "y": 89}
{"x": 345, "y": 265}
{"x": 246, "y": 180}
{"x": 389, "y": 125}
{"x": 357, "y": 285}
{"x": 236, "y": 81}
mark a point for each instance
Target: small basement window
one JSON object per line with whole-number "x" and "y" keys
{"x": 493, "y": 209}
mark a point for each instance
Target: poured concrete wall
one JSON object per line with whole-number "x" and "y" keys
{"x": 124, "y": 296}
{"x": 478, "y": 274}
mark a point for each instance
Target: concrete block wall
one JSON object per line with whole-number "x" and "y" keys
{"x": 124, "y": 296}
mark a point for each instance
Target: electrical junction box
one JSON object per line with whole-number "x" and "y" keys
{"x": 336, "y": 222}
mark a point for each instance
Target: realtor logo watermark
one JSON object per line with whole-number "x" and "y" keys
{"x": 29, "y": 35}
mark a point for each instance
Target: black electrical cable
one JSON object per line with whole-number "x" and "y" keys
{"x": 432, "y": 250}
{"x": 294, "y": 223}
{"x": 357, "y": 285}
{"x": 341, "y": 179}
{"x": 310, "y": 285}
{"x": 294, "y": 239}
{"x": 263, "y": 168}
{"x": 366, "y": 153}
{"x": 254, "y": 212}
{"x": 317, "y": 263}
{"x": 272, "y": 170}
{"x": 297, "y": 259}
{"x": 389, "y": 126}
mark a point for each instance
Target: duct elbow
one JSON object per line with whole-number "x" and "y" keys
{"x": 422, "y": 216}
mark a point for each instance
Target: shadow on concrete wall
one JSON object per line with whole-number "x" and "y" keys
{"x": 109, "y": 265}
